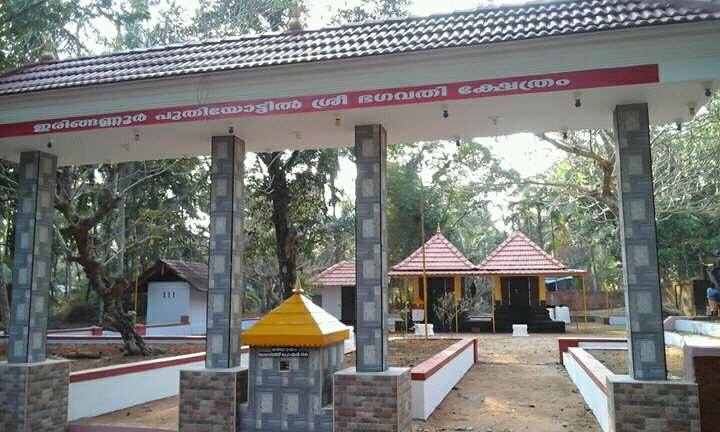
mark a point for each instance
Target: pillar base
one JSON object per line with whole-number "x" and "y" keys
{"x": 210, "y": 399}
{"x": 372, "y": 401}
{"x": 649, "y": 406}
{"x": 34, "y": 396}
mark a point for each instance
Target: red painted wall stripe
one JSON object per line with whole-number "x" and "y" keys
{"x": 596, "y": 374}
{"x": 142, "y": 366}
{"x": 429, "y": 367}
{"x": 541, "y": 83}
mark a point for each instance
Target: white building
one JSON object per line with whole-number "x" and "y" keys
{"x": 335, "y": 291}
{"x": 176, "y": 296}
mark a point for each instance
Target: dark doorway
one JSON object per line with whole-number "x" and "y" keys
{"x": 516, "y": 294}
{"x": 347, "y": 302}
{"x": 437, "y": 288}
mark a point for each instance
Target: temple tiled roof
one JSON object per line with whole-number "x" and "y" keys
{"x": 340, "y": 274}
{"x": 519, "y": 255}
{"x": 441, "y": 258}
{"x": 372, "y": 38}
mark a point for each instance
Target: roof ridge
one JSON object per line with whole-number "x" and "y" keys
{"x": 527, "y": 241}
{"x": 437, "y": 237}
{"x": 270, "y": 34}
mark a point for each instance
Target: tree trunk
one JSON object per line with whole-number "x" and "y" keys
{"x": 123, "y": 322}
{"x": 285, "y": 233}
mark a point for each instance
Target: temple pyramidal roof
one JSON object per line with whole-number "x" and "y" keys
{"x": 340, "y": 274}
{"x": 482, "y": 26}
{"x": 518, "y": 255}
{"x": 297, "y": 322}
{"x": 442, "y": 258}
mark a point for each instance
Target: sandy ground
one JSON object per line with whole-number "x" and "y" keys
{"x": 517, "y": 385}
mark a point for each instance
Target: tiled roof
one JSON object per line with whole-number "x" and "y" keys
{"x": 477, "y": 27}
{"x": 441, "y": 258}
{"x": 519, "y": 255}
{"x": 194, "y": 273}
{"x": 340, "y": 274}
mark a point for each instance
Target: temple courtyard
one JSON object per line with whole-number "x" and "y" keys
{"x": 516, "y": 385}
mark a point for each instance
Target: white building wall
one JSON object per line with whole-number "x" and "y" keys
{"x": 167, "y": 301}
{"x": 198, "y": 312}
{"x": 331, "y": 300}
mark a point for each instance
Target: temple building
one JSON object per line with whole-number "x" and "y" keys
{"x": 518, "y": 268}
{"x": 446, "y": 269}
{"x": 335, "y": 291}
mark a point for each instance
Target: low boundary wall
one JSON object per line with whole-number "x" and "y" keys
{"x": 590, "y": 377}
{"x": 100, "y": 391}
{"x": 704, "y": 328}
{"x": 434, "y": 378}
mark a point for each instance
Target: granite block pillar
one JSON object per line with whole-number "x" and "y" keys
{"x": 33, "y": 258}
{"x": 225, "y": 267}
{"x": 33, "y": 390}
{"x": 643, "y": 298}
{"x": 371, "y": 249}
{"x": 210, "y": 398}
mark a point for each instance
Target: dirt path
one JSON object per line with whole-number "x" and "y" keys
{"x": 516, "y": 386}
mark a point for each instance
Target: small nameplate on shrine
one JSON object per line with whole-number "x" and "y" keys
{"x": 283, "y": 353}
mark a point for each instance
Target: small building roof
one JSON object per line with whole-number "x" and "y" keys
{"x": 194, "y": 273}
{"x": 442, "y": 258}
{"x": 482, "y": 26}
{"x": 339, "y": 274}
{"x": 518, "y": 255}
{"x": 297, "y": 322}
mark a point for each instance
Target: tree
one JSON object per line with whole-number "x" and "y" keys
{"x": 88, "y": 199}
{"x": 372, "y": 10}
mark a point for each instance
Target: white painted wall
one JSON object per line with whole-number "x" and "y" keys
{"x": 428, "y": 394}
{"x": 198, "y": 312}
{"x": 167, "y": 301}
{"x": 175, "y": 330}
{"x": 332, "y": 300}
{"x": 594, "y": 397}
{"x": 698, "y": 327}
{"x": 103, "y": 395}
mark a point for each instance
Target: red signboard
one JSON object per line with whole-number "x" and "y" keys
{"x": 550, "y": 82}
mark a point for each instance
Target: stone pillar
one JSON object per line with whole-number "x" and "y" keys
{"x": 33, "y": 257}
{"x": 371, "y": 396}
{"x": 33, "y": 390}
{"x": 643, "y": 298}
{"x": 225, "y": 267}
{"x": 210, "y": 398}
{"x": 651, "y": 406}
{"x": 371, "y": 249}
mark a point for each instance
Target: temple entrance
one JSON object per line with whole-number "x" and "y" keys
{"x": 517, "y": 292}
{"x": 438, "y": 287}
